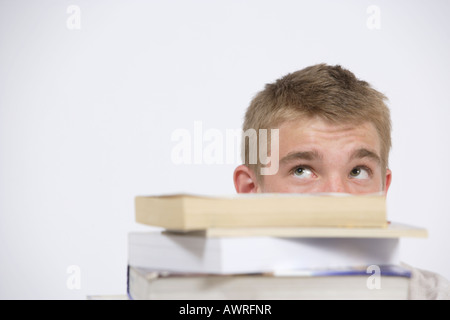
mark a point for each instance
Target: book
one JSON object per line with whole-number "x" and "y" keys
{"x": 356, "y": 283}
{"x": 230, "y": 255}
{"x": 393, "y": 230}
{"x": 108, "y": 297}
{"x": 187, "y": 212}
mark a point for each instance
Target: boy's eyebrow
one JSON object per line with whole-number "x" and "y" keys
{"x": 302, "y": 155}
{"x": 365, "y": 153}
{"x": 315, "y": 155}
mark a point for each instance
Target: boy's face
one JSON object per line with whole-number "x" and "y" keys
{"x": 317, "y": 156}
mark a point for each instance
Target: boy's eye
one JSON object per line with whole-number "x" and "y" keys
{"x": 302, "y": 172}
{"x": 359, "y": 173}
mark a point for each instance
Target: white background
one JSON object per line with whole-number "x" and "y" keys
{"x": 86, "y": 117}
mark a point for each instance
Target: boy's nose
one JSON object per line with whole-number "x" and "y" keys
{"x": 335, "y": 184}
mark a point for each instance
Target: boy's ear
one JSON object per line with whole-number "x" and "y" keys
{"x": 245, "y": 180}
{"x": 388, "y": 180}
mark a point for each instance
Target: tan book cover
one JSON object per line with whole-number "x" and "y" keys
{"x": 188, "y": 212}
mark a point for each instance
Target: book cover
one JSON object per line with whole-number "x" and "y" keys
{"x": 392, "y": 282}
{"x": 189, "y": 253}
{"x": 187, "y": 212}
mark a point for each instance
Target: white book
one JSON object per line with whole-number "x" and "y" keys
{"x": 233, "y": 255}
{"x": 392, "y": 282}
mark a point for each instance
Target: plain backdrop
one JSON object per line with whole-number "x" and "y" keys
{"x": 90, "y": 97}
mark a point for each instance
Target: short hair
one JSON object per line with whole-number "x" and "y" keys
{"x": 330, "y": 92}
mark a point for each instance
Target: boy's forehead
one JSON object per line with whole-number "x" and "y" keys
{"x": 318, "y": 133}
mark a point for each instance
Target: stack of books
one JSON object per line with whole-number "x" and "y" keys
{"x": 267, "y": 246}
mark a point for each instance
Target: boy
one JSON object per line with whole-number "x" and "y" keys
{"x": 334, "y": 135}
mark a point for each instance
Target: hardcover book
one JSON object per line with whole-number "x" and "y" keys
{"x": 356, "y": 283}
{"x": 185, "y": 212}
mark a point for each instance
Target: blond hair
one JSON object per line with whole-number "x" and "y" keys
{"x": 330, "y": 92}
